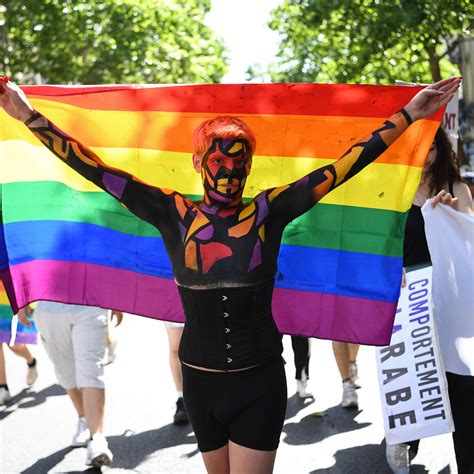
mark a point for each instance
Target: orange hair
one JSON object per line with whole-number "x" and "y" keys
{"x": 224, "y": 126}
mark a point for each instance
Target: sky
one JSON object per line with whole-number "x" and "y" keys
{"x": 243, "y": 26}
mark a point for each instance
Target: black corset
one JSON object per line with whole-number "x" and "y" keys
{"x": 229, "y": 328}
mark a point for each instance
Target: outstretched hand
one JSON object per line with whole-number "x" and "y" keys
{"x": 13, "y": 100}
{"x": 430, "y": 99}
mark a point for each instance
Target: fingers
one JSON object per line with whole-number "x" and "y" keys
{"x": 444, "y": 83}
{"x": 433, "y": 92}
{"x": 450, "y": 87}
{"x": 453, "y": 88}
{"x": 443, "y": 197}
{"x": 434, "y": 97}
{"x": 448, "y": 200}
{"x": 437, "y": 199}
{"x": 445, "y": 100}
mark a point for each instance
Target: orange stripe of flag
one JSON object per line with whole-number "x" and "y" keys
{"x": 286, "y": 136}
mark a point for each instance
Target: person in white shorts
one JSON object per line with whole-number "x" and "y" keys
{"x": 174, "y": 332}
{"x": 74, "y": 338}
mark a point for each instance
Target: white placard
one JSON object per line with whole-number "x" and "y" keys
{"x": 413, "y": 385}
{"x": 451, "y": 121}
{"x": 450, "y": 236}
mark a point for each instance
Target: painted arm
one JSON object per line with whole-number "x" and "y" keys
{"x": 290, "y": 201}
{"x": 147, "y": 202}
{"x": 296, "y": 198}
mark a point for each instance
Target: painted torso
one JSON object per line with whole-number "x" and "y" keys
{"x": 215, "y": 247}
{"x": 221, "y": 241}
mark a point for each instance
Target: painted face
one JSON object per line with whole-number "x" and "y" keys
{"x": 226, "y": 166}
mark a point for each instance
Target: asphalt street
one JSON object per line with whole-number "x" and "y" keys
{"x": 318, "y": 436}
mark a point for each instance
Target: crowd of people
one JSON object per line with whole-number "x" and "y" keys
{"x": 235, "y": 404}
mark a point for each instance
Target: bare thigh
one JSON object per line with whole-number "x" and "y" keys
{"x": 217, "y": 461}
{"x": 250, "y": 461}
{"x": 174, "y": 337}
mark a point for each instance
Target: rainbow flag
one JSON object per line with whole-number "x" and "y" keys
{"x": 24, "y": 334}
{"x": 340, "y": 264}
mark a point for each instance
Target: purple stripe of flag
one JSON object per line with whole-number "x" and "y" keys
{"x": 297, "y": 312}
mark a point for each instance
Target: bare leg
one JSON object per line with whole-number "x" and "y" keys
{"x": 111, "y": 344}
{"x": 21, "y": 350}
{"x": 250, "y": 461}
{"x": 76, "y": 398}
{"x": 353, "y": 351}
{"x": 341, "y": 353}
{"x": 174, "y": 338}
{"x": 217, "y": 461}
{"x": 93, "y": 400}
{"x": 3, "y": 372}
{"x": 353, "y": 371}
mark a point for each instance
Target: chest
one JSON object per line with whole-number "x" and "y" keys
{"x": 233, "y": 238}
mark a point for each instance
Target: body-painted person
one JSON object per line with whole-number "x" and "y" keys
{"x": 224, "y": 254}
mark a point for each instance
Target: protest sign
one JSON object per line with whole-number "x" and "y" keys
{"x": 413, "y": 386}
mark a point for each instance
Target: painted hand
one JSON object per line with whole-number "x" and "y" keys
{"x": 432, "y": 98}
{"x": 13, "y": 100}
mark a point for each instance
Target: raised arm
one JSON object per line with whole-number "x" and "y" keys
{"x": 290, "y": 201}
{"x": 147, "y": 202}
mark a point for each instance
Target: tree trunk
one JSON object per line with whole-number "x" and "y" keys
{"x": 433, "y": 60}
{"x": 4, "y": 43}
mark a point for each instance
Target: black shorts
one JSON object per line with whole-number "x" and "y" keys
{"x": 247, "y": 407}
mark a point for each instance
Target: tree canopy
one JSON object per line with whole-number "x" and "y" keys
{"x": 109, "y": 41}
{"x": 369, "y": 41}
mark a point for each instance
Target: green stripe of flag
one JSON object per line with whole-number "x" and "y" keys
{"x": 5, "y": 312}
{"x": 328, "y": 226}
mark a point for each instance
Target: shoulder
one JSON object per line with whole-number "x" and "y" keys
{"x": 462, "y": 188}
{"x": 463, "y": 193}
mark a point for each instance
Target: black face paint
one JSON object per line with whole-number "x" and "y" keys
{"x": 225, "y": 168}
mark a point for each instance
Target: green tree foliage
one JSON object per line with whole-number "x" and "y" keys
{"x": 109, "y": 41}
{"x": 369, "y": 41}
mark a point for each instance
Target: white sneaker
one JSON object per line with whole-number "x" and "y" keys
{"x": 398, "y": 458}
{"x": 82, "y": 436}
{"x": 302, "y": 389}
{"x": 98, "y": 452}
{"x": 349, "y": 395}
{"x": 5, "y": 396}
{"x": 354, "y": 374}
{"x": 31, "y": 374}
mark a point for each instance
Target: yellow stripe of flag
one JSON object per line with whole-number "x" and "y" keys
{"x": 389, "y": 187}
